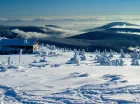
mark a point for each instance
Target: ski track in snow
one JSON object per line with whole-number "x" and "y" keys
{"x": 54, "y": 81}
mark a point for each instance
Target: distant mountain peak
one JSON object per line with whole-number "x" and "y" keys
{"x": 112, "y": 25}
{"x": 109, "y": 25}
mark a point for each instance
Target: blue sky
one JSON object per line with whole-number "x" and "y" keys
{"x": 37, "y": 8}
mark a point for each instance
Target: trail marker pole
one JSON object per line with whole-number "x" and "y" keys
{"x": 20, "y": 56}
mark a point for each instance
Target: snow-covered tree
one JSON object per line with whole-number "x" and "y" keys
{"x": 104, "y": 54}
{"x": 43, "y": 53}
{"x": 135, "y": 54}
{"x": 135, "y": 62}
{"x": 9, "y": 61}
{"x": 97, "y": 51}
{"x": 3, "y": 63}
{"x": 53, "y": 47}
{"x": 121, "y": 62}
{"x": 42, "y": 45}
{"x": 74, "y": 60}
{"x": 117, "y": 62}
{"x": 43, "y": 60}
{"x": 122, "y": 54}
{"x": 82, "y": 52}
{"x": 83, "y": 57}
{"x": 51, "y": 54}
{"x": 3, "y": 69}
{"x": 111, "y": 55}
{"x": 103, "y": 60}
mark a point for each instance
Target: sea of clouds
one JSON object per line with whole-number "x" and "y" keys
{"x": 70, "y": 25}
{"x": 69, "y": 22}
{"x": 64, "y": 33}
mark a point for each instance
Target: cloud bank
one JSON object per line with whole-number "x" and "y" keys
{"x": 115, "y": 17}
{"x": 27, "y": 35}
{"x": 65, "y": 32}
{"x": 125, "y": 26}
{"x": 71, "y": 24}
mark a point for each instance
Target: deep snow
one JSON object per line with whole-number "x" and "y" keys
{"x": 54, "y": 81}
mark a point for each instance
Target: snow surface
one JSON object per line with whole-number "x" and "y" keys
{"x": 54, "y": 81}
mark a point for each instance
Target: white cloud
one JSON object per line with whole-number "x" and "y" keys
{"x": 65, "y": 32}
{"x": 125, "y": 26}
{"x": 136, "y": 33}
{"x": 76, "y": 18}
{"x": 29, "y": 34}
{"x": 3, "y": 19}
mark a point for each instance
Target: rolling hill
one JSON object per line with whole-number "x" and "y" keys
{"x": 113, "y": 36}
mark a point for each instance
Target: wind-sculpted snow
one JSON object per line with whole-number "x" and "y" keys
{"x": 76, "y": 75}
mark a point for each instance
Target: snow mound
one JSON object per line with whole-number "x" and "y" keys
{"x": 55, "y": 65}
{"x": 76, "y": 75}
{"x": 112, "y": 77}
{"x": 3, "y": 69}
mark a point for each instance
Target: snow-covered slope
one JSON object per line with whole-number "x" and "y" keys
{"x": 40, "y": 80}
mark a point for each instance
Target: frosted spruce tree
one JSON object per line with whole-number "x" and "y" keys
{"x": 74, "y": 60}
{"x": 82, "y": 55}
{"x": 111, "y": 54}
{"x": 97, "y": 58}
{"x": 3, "y": 66}
{"x": 3, "y": 63}
{"x": 82, "y": 52}
{"x": 135, "y": 62}
{"x": 117, "y": 62}
{"x": 103, "y": 60}
{"x": 135, "y": 54}
{"x": 122, "y": 53}
{"x": 121, "y": 62}
{"x": 9, "y": 61}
